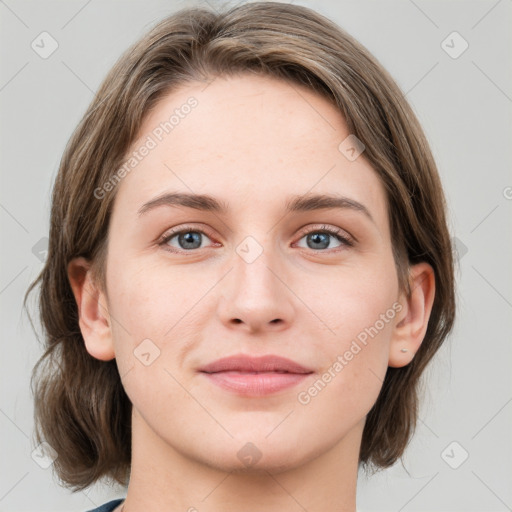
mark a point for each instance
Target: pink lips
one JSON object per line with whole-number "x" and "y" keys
{"x": 255, "y": 376}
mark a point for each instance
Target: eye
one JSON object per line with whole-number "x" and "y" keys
{"x": 319, "y": 239}
{"x": 187, "y": 239}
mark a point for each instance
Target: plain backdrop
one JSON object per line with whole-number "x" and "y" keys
{"x": 461, "y": 456}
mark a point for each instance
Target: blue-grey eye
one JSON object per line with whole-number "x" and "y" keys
{"x": 321, "y": 240}
{"x": 187, "y": 240}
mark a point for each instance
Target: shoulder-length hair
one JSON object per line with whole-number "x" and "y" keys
{"x": 81, "y": 408}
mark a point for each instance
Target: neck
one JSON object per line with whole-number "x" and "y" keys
{"x": 165, "y": 479}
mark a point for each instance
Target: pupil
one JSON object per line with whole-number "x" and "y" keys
{"x": 190, "y": 238}
{"x": 317, "y": 238}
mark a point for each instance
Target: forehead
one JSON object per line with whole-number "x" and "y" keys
{"x": 246, "y": 139}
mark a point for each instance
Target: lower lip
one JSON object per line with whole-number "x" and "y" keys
{"x": 255, "y": 384}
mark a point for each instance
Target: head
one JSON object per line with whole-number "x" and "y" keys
{"x": 268, "y": 99}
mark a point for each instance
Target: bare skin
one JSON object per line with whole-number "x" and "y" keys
{"x": 252, "y": 143}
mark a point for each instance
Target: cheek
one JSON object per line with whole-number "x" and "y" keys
{"x": 355, "y": 361}
{"x": 156, "y": 321}
{"x": 358, "y": 316}
{"x": 352, "y": 301}
{"x": 149, "y": 304}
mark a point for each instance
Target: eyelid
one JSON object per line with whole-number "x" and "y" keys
{"x": 345, "y": 237}
{"x": 333, "y": 230}
{"x": 183, "y": 228}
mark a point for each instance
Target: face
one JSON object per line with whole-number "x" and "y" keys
{"x": 262, "y": 274}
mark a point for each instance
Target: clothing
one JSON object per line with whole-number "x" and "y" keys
{"x": 108, "y": 507}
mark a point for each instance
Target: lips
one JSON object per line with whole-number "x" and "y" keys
{"x": 263, "y": 364}
{"x": 255, "y": 376}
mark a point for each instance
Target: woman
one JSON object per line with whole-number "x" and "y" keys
{"x": 249, "y": 269}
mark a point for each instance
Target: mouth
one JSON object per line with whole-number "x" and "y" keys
{"x": 251, "y": 364}
{"x": 250, "y": 372}
{"x": 255, "y": 376}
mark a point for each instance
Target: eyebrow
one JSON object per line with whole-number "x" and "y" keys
{"x": 207, "y": 203}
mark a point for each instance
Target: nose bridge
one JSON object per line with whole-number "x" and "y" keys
{"x": 253, "y": 263}
{"x": 257, "y": 296}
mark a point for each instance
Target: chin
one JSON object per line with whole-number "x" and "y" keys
{"x": 259, "y": 457}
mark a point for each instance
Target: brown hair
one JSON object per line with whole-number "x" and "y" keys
{"x": 81, "y": 408}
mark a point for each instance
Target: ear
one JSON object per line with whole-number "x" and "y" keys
{"x": 94, "y": 318}
{"x": 411, "y": 327}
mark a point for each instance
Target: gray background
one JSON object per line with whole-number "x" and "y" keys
{"x": 464, "y": 104}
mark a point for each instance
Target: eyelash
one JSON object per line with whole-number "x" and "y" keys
{"x": 336, "y": 232}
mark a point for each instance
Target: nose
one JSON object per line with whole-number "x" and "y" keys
{"x": 256, "y": 296}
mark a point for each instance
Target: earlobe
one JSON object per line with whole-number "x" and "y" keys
{"x": 410, "y": 329}
{"x": 94, "y": 319}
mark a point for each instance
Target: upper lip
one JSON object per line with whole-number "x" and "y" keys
{"x": 245, "y": 363}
